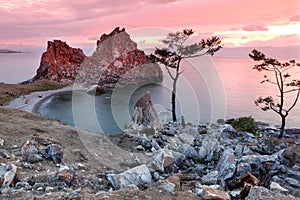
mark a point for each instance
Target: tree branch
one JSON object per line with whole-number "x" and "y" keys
{"x": 272, "y": 108}
{"x": 297, "y": 97}
{"x": 293, "y": 90}
{"x": 169, "y": 72}
{"x": 181, "y": 72}
{"x": 276, "y": 76}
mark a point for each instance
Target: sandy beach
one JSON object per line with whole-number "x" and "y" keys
{"x": 29, "y": 102}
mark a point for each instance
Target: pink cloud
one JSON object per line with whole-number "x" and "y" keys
{"x": 295, "y": 18}
{"x": 160, "y": 1}
{"x": 255, "y": 27}
{"x": 77, "y": 20}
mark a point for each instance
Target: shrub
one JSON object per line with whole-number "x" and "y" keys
{"x": 245, "y": 124}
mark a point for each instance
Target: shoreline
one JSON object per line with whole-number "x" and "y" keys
{"x": 31, "y": 101}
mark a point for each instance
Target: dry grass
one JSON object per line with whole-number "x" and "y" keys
{"x": 9, "y": 91}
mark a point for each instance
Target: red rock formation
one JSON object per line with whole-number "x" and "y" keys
{"x": 60, "y": 62}
{"x": 116, "y": 57}
{"x": 118, "y": 60}
{"x": 122, "y": 65}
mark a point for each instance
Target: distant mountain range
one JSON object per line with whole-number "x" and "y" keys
{"x": 289, "y": 52}
{"x": 9, "y": 51}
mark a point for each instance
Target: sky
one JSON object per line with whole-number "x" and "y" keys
{"x": 27, "y": 25}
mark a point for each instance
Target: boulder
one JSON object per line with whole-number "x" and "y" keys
{"x": 252, "y": 163}
{"x": 186, "y": 138}
{"x": 227, "y": 164}
{"x": 176, "y": 180}
{"x": 211, "y": 178}
{"x": 210, "y": 149}
{"x": 56, "y": 153}
{"x": 28, "y": 147}
{"x": 261, "y": 193}
{"x": 287, "y": 157}
{"x": 135, "y": 176}
{"x": 144, "y": 114}
{"x": 162, "y": 159}
{"x": 145, "y": 142}
{"x": 33, "y": 158}
{"x": 95, "y": 90}
{"x": 166, "y": 185}
{"x": 276, "y": 187}
{"x": 189, "y": 152}
{"x": 23, "y": 185}
{"x": 8, "y": 174}
{"x": 211, "y": 194}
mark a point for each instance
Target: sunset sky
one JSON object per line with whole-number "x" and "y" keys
{"x": 27, "y": 25}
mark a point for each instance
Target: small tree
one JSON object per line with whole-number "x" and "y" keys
{"x": 282, "y": 80}
{"x": 177, "y": 50}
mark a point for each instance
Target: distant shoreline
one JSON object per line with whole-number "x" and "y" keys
{"x": 9, "y": 51}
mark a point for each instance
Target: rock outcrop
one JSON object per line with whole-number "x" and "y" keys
{"x": 118, "y": 60}
{"x": 144, "y": 114}
{"x": 60, "y": 62}
{"x": 95, "y": 90}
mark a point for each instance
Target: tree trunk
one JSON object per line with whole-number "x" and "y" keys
{"x": 173, "y": 99}
{"x": 282, "y": 126}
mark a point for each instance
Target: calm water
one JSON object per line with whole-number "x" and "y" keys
{"x": 208, "y": 89}
{"x": 18, "y": 67}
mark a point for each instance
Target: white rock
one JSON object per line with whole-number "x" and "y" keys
{"x": 235, "y": 193}
{"x": 95, "y": 90}
{"x": 162, "y": 159}
{"x": 276, "y": 187}
{"x": 186, "y": 138}
{"x": 168, "y": 186}
{"x": 7, "y": 174}
{"x": 135, "y": 176}
{"x": 1, "y": 141}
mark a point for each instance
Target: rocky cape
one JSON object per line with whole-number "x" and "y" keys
{"x": 115, "y": 60}
{"x": 60, "y": 62}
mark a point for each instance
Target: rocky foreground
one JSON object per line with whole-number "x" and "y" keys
{"x": 42, "y": 158}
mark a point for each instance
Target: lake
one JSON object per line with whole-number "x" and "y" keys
{"x": 208, "y": 89}
{"x": 18, "y": 67}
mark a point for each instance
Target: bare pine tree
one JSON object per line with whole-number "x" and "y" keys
{"x": 283, "y": 81}
{"x": 177, "y": 50}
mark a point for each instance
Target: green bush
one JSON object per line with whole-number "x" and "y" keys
{"x": 245, "y": 124}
